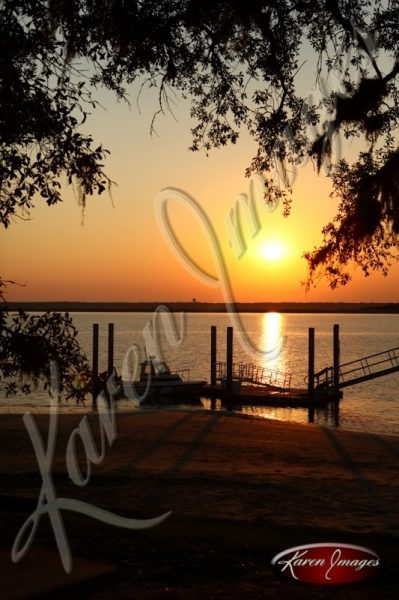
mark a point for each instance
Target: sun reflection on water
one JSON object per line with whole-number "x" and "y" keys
{"x": 272, "y": 341}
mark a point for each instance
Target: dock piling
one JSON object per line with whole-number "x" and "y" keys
{"x": 110, "y": 348}
{"x": 336, "y": 356}
{"x": 213, "y": 354}
{"x": 311, "y": 355}
{"x": 94, "y": 382}
{"x": 229, "y": 361}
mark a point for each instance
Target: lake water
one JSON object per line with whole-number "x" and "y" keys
{"x": 281, "y": 344}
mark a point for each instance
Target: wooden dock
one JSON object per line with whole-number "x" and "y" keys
{"x": 252, "y": 384}
{"x": 254, "y": 395}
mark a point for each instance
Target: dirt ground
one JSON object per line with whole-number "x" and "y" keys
{"x": 239, "y": 490}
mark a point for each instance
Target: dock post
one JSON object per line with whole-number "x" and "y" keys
{"x": 229, "y": 360}
{"x": 94, "y": 381}
{"x": 336, "y": 356}
{"x": 110, "y": 349}
{"x": 311, "y": 349}
{"x": 213, "y": 354}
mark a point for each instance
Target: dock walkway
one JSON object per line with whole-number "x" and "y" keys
{"x": 360, "y": 370}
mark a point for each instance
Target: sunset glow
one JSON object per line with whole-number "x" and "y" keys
{"x": 120, "y": 254}
{"x": 272, "y": 250}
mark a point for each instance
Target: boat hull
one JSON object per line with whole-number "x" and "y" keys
{"x": 167, "y": 390}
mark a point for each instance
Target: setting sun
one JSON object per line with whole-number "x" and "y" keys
{"x": 272, "y": 250}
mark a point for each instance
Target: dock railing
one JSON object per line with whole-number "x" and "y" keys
{"x": 324, "y": 378}
{"x": 256, "y": 375}
{"x": 369, "y": 367}
{"x": 359, "y": 370}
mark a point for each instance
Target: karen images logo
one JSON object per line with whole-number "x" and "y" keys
{"x": 328, "y": 564}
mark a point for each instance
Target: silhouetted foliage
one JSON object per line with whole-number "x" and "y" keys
{"x": 240, "y": 64}
{"x": 27, "y": 345}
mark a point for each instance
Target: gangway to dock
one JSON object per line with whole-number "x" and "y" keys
{"x": 268, "y": 385}
{"x": 255, "y": 375}
{"x": 360, "y": 370}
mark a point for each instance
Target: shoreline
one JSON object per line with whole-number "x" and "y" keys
{"x": 73, "y": 411}
{"x": 210, "y": 307}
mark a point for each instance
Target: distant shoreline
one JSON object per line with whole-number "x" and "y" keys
{"x": 208, "y": 307}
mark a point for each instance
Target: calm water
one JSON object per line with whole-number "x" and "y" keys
{"x": 282, "y": 343}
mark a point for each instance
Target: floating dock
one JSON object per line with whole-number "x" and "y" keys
{"x": 240, "y": 383}
{"x": 255, "y": 395}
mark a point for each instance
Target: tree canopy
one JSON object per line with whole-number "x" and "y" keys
{"x": 240, "y": 66}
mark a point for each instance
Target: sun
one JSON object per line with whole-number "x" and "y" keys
{"x": 272, "y": 250}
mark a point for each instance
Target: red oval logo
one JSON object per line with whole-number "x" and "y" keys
{"x": 328, "y": 564}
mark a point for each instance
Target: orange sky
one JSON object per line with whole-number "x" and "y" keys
{"x": 120, "y": 252}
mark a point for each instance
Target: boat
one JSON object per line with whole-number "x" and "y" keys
{"x": 157, "y": 381}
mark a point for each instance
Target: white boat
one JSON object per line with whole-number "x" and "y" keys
{"x": 161, "y": 382}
